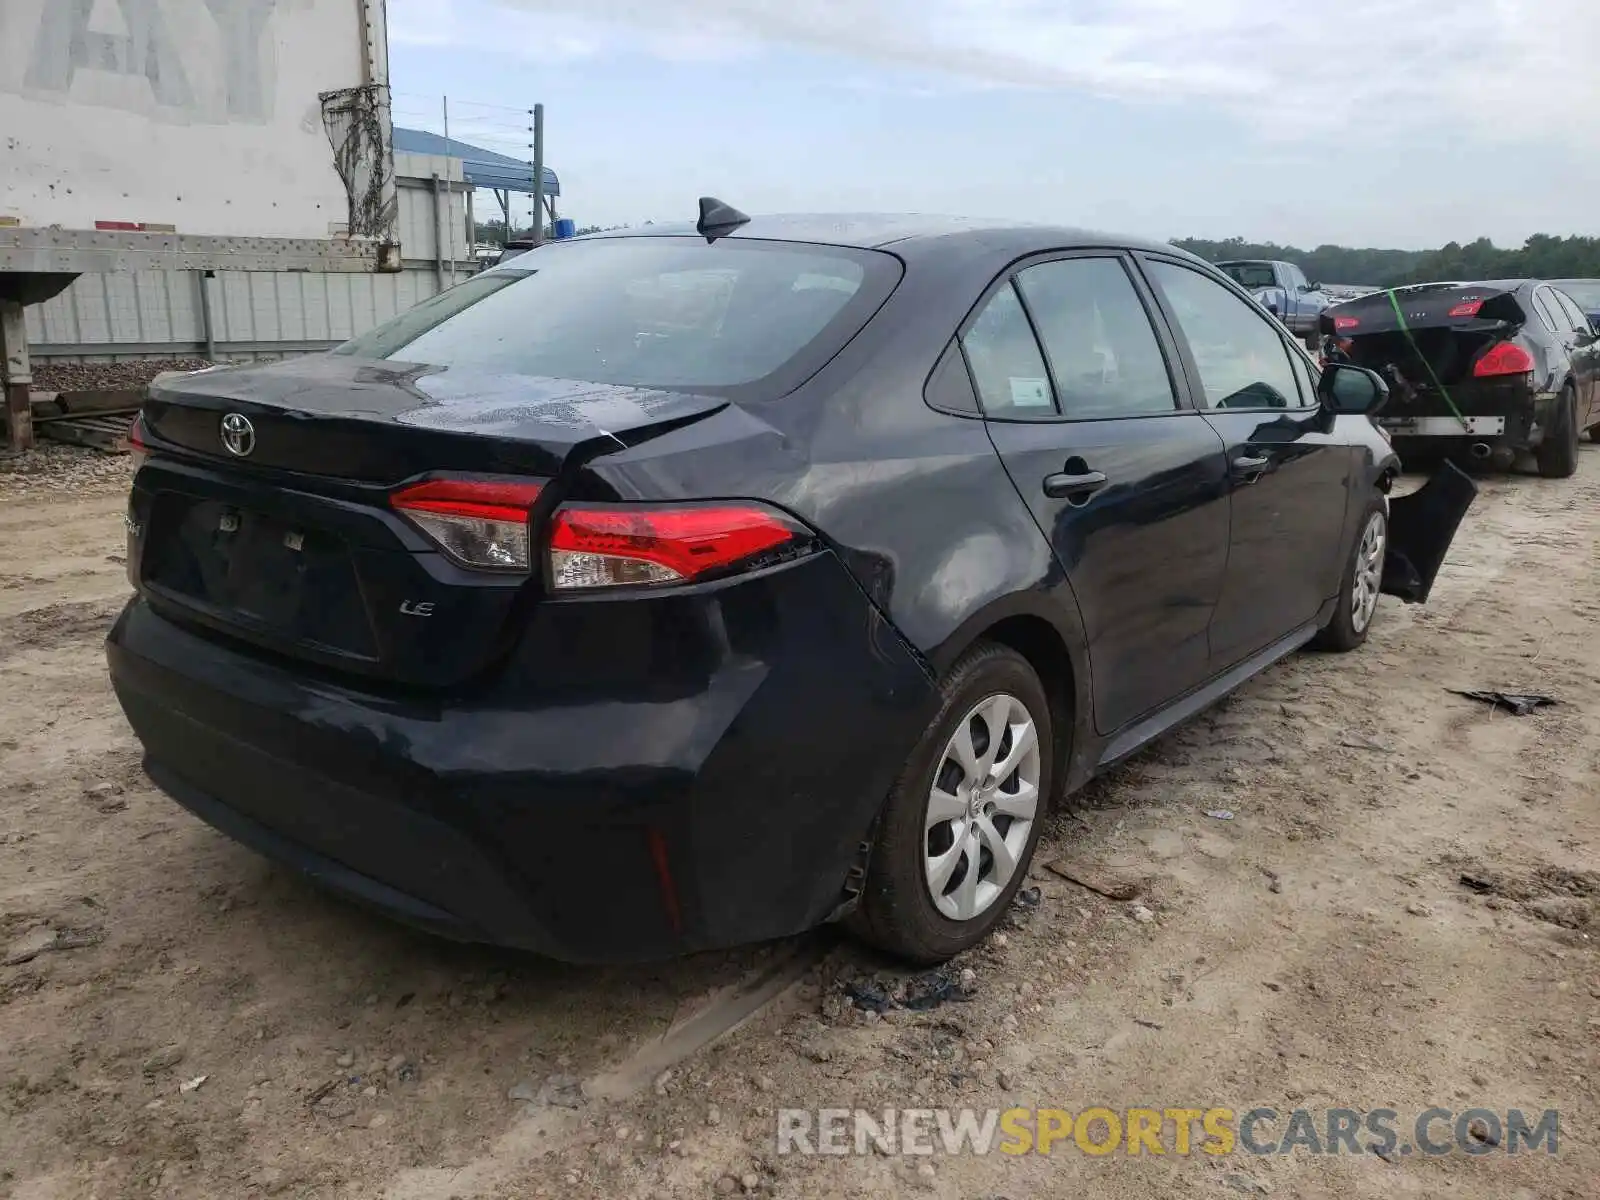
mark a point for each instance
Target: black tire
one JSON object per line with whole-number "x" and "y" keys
{"x": 1344, "y": 632}
{"x": 897, "y": 911}
{"x": 1557, "y": 455}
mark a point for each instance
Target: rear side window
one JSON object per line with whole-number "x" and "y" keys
{"x": 1242, "y": 361}
{"x": 1251, "y": 276}
{"x": 1544, "y": 304}
{"x": 1584, "y": 292}
{"x": 950, "y": 386}
{"x": 1007, "y": 366}
{"x": 1103, "y": 352}
{"x": 1575, "y": 318}
{"x": 648, "y": 312}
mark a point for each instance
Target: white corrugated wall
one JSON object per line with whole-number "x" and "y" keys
{"x": 255, "y": 314}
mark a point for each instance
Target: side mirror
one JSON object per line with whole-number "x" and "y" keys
{"x": 1312, "y": 287}
{"x": 1348, "y": 389}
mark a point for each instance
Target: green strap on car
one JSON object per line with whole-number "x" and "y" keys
{"x": 1428, "y": 366}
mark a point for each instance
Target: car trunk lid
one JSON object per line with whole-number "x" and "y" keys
{"x": 287, "y": 539}
{"x": 367, "y": 421}
{"x": 1426, "y": 335}
{"x": 1427, "y": 342}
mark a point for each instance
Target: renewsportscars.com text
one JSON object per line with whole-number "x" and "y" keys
{"x": 1100, "y": 1130}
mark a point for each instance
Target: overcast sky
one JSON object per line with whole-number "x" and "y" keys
{"x": 1373, "y": 122}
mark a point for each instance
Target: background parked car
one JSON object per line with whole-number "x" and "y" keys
{"x": 1283, "y": 290}
{"x": 687, "y": 587}
{"x": 1479, "y": 369}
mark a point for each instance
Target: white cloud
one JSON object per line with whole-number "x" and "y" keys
{"x": 552, "y": 33}
{"x": 1360, "y": 68}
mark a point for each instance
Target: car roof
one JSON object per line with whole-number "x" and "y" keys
{"x": 872, "y": 231}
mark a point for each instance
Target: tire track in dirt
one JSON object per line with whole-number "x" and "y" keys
{"x": 53, "y": 625}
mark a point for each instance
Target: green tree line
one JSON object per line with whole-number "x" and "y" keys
{"x": 1541, "y": 257}
{"x": 493, "y": 231}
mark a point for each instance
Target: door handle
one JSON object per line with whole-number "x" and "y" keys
{"x": 1251, "y": 467}
{"x": 1075, "y": 487}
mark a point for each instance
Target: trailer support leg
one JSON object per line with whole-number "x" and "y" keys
{"x": 16, "y": 378}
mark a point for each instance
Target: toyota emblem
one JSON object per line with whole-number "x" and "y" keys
{"x": 238, "y": 435}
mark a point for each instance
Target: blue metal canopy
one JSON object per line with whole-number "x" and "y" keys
{"x": 483, "y": 168}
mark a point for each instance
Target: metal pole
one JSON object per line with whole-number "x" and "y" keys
{"x": 450, "y": 189}
{"x": 16, "y": 376}
{"x": 203, "y": 278}
{"x": 438, "y": 236}
{"x": 538, "y": 174}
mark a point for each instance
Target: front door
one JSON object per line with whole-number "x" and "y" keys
{"x": 1129, "y": 487}
{"x": 1290, "y": 475}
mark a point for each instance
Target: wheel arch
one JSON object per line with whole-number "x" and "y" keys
{"x": 1056, "y": 650}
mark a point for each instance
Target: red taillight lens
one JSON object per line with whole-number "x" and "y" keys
{"x": 632, "y": 546}
{"x": 1507, "y": 358}
{"x": 1345, "y": 322}
{"x": 137, "y": 450}
{"x": 477, "y": 522}
{"x": 1467, "y": 308}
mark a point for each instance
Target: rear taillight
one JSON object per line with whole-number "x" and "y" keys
{"x": 1345, "y": 322}
{"x": 1507, "y": 358}
{"x": 1467, "y": 308}
{"x": 137, "y": 450}
{"x": 478, "y": 522}
{"x": 629, "y": 546}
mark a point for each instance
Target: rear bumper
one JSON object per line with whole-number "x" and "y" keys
{"x": 707, "y": 781}
{"x": 1497, "y": 414}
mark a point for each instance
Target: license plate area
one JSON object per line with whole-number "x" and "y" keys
{"x": 256, "y": 570}
{"x": 1445, "y": 426}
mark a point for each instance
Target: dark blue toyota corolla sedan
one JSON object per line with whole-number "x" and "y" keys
{"x": 676, "y": 589}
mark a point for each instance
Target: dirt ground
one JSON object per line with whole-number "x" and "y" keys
{"x": 1398, "y": 914}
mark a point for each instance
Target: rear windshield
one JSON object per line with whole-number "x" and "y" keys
{"x": 1250, "y": 275}
{"x": 648, "y": 312}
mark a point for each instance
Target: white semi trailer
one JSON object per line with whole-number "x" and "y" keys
{"x": 187, "y": 134}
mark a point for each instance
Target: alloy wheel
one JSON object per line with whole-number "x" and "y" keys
{"x": 1369, "y": 572}
{"x": 981, "y": 807}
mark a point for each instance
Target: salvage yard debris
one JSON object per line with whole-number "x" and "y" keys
{"x": 1099, "y": 881}
{"x": 42, "y": 939}
{"x": 1519, "y": 704}
{"x": 917, "y": 994}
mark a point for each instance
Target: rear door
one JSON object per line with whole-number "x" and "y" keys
{"x": 1126, "y": 481}
{"x": 1289, "y": 473}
